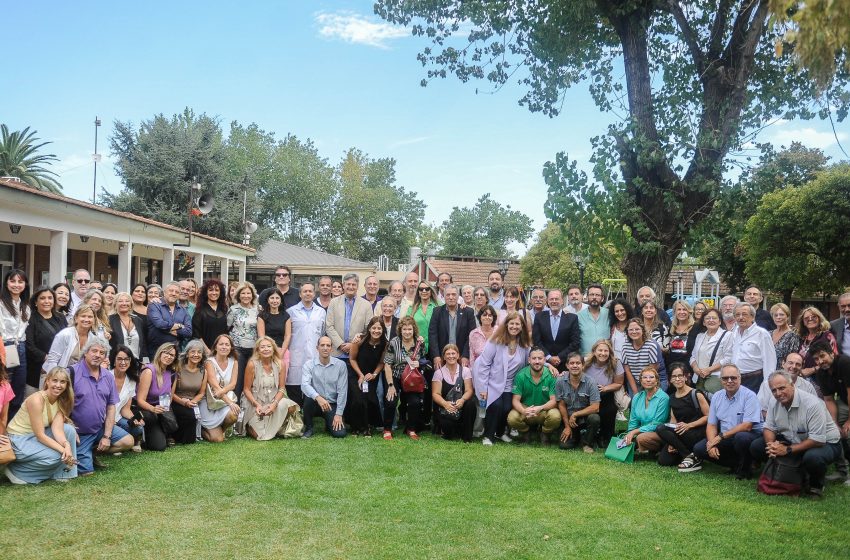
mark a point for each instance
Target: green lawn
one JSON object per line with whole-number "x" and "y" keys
{"x": 367, "y": 498}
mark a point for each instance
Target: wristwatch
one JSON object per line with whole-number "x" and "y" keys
{"x": 788, "y": 449}
{"x": 722, "y": 436}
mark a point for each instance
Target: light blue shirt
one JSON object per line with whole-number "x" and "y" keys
{"x": 730, "y": 412}
{"x": 592, "y": 329}
{"x": 349, "y": 311}
{"x": 330, "y": 381}
{"x": 555, "y": 323}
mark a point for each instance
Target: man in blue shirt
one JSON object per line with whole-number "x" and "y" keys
{"x": 324, "y": 382}
{"x": 734, "y": 422}
{"x": 167, "y": 321}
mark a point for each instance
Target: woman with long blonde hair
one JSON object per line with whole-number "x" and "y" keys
{"x": 264, "y": 399}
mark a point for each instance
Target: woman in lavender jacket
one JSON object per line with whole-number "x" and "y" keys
{"x": 493, "y": 373}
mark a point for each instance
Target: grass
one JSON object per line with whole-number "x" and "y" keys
{"x": 367, "y": 498}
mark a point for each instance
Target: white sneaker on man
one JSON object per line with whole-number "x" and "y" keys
{"x": 506, "y": 438}
{"x": 486, "y": 441}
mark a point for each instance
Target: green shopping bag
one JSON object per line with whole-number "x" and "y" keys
{"x": 624, "y": 454}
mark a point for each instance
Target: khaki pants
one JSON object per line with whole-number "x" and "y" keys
{"x": 648, "y": 441}
{"x": 549, "y": 420}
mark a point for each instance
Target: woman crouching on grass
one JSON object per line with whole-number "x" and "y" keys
{"x": 219, "y": 409}
{"x": 126, "y": 374}
{"x": 153, "y": 396}
{"x": 45, "y": 445}
{"x": 689, "y": 413}
{"x": 267, "y": 407}
{"x": 650, "y": 409}
{"x": 188, "y": 388}
{"x": 452, "y": 391}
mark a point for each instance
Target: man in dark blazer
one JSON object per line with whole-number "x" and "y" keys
{"x": 839, "y": 327}
{"x": 566, "y": 339}
{"x": 439, "y": 334}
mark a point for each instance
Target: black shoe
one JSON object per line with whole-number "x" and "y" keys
{"x": 98, "y": 464}
{"x": 307, "y": 434}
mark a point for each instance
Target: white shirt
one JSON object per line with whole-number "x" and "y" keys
{"x": 570, "y": 309}
{"x": 76, "y": 301}
{"x": 704, "y": 348}
{"x": 308, "y": 325}
{"x": 753, "y": 350}
{"x": 766, "y": 398}
{"x": 12, "y": 328}
{"x": 128, "y": 391}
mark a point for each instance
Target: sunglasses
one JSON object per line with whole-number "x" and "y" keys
{"x": 424, "y": 289}
{"x": 122, "y": 359}
{"x": 729, "y": 378}
{"x": 82, "y": 281}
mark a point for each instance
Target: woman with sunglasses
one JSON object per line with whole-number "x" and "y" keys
{"x": 812, "y": 327}
{"x": 422, "y": 309}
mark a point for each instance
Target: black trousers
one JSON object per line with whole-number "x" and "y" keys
{"x": 294, "y": 392}
{"x": 683, "y": 443}
{"x": 461, "y": 426}
{"x": 155, "y": 436}
{"x": 412, "y": 403}
{"x": 607, "y": 418}
{"x": 186, "y": 423}
{"x": 496, "y": 419}
{"x": 355, "y": 406}
{"x": 243, "y": 355}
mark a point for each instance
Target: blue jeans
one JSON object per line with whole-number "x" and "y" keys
{"x": 85, "y": 451}
{"x": 18, "y": 379}
{"x": 312, "y": 408}
{"x": 124, "y": 427}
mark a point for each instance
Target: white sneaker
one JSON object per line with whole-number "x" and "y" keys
{"x": 14, "y": 479}
{"x": 506, "y": 438}
{"x": 514, "y": 433}
{"x": 620, "y": 416}
{"x": 486, "y": 441}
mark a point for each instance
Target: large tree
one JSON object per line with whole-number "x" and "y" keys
{"x": 718, "y": 239}
{"x": 693, "y": 78}
{"x": 797, "y": 239}
{"x": 485, "y": 230}
{"x": 19, "y": 158}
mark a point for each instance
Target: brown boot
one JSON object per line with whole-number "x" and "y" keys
{"x": 544, "y": 439}
{"x": 526, "y": 437}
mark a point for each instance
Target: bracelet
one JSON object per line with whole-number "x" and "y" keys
{"x": 109, "y": 437}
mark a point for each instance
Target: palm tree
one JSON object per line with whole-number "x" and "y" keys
{"x": 18, "y": 158}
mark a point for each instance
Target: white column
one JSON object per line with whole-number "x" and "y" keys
{"x": 199, "y": 269}
{"x": 58, "y": 256}
{"x": 167, "y": 266}
{"x": 31, "y": 266}
{"x": 137, "y": 269}
{"x": 91, "y": 265}
{"x": 225, "y": 270}
{"x": 242, "y": 271}
{"x": 125, "y": 265}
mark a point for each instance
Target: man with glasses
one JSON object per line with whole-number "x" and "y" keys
{"x": 793, "y": 365}
{"x": 593, "y": 319}
{"x": 538, "y": 302}
{"x": 282, "y": 281}
{"x": 841, "y": 327}
{"x": 799, "y": 423}
{"x": 79, "y": 286}
{"x": 734, "y": 422}
{"x": 752, "y": 348}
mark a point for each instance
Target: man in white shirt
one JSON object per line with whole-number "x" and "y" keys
{"x": 308, "y": 324}
{"x": 411, "y": 282}
{"x": 793, "y": 364}
{"x": 752, "y": 348}
{"x": 575, "y": 301}
{"x": 80, "y": 285}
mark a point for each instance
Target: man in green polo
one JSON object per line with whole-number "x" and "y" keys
{"x": 534, "y": 398}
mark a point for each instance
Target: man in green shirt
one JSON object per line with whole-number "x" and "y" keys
{"x": 534, "y": 398}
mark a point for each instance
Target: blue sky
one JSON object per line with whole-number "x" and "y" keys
{"x": 325, "y": 70}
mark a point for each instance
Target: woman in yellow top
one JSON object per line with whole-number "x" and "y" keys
{"x": 45, "y": 445}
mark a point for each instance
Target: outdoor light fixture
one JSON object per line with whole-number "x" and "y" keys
{"x": 15, "y": 228}
{"x": 84, "y": 238}
{"x": 503, "y": 267}
{"x": 581, "y": 265}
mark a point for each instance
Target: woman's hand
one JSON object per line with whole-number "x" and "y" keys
{"x": 234, "y": 408}
{"x": 682, "y": 427}
{"x": 67, "y": 457}
{"x": 158, "y": 409}
{"x": 4, "y": 440}
{"x": 391, "y": 392}
{"x": 218, "y": 393}
{"x": 628, "y": 438}
{"x": 450, "y": 407}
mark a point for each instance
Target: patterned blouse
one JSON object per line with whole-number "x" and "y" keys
{"x": 243, "y": 325}
{"x": 787, "y": 343}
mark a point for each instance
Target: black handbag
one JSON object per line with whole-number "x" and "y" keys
{"x": 455, "y": 393}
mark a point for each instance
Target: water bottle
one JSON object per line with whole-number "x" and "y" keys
{"x": 482, "y": 408}
{"x": 365, "y": 386}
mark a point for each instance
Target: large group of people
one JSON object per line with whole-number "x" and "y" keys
{"x": 88, "y": 370}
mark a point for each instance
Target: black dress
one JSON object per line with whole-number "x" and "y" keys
{"x": 684, "y": 410}
{"x": 368, "y": 357}
{"x": 276, "y": 325}
{"x": 40, "y": 335}
{"x": 208, "y": 324}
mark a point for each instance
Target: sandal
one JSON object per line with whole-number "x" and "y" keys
{"x": 687, "y": 462}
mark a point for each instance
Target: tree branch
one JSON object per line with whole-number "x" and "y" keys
{"x": 739, "y": 28}
{"x": 688, "y": 34}
{"x": 717, "y": 28}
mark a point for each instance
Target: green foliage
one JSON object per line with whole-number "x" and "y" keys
{"x": 718, "y": 240}
{"x": 19, "y": 159}
{"x": 549, "y": 262}
{"x": 294, "y": 499}
{"x": 798, "y": 239}
{"x": 694, "y": 79}
{"x": 485, "y": 230}
{"x": 371, "y": 215}
{"x": 819, "y": 33}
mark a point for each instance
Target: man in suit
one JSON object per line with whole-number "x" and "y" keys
{"x": 556, "y": 332}
{"x": 450, "y": 324}
{"x": 348, "y": 316}
{"x": 841, "y": 326}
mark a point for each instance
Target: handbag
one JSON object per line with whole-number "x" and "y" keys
{"x": 453, "y": 395}
{"x": 12, "y": 358}
{"x": 293, "y": 427}
{"x": 7, "y": 454}
{"x": 214, "y": 403}
{"x": 782, "y": 475}
{"x": 168, "y": 422}
{"x": 619, "y": 452}
{"x": 412, "y": 380}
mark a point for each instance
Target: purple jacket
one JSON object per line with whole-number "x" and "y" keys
{"x": 494, "y": 370}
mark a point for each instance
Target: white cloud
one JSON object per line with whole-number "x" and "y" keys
{"x": 808, "y": 136}
{"x": 358, "y": 29}
{"x": 409, "y": 141}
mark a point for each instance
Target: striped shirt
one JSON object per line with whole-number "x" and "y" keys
{"x": 640, "y": 358}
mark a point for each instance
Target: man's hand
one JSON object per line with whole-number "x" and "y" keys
{"x": 464, "y": 362}
{"x": 438, "y": 362}
{"x": 323, "y": 403}
{"x": 572, "y": 421}
{"x": 337, "y": 423}
{"x": 345, "y": 347}
{"x": 566, "y": 434}
{"x": 555, "y": 360}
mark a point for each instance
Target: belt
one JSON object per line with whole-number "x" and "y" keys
{"x": 752, "y": 373}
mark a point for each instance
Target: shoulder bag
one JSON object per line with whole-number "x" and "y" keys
{"x": 453, "y": 395}
{"x": 412, "y": 380}
{"x": 782, "y": 475}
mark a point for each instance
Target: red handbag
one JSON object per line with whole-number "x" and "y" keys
{"x": 412, "y": 380}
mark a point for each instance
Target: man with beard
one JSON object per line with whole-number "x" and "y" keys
{"x": 727, "y": 309}
{"x": 841, "y": 327}
{"x": 411, "y": 282}
{"x": 497, "y": 294}
{"x": 593, "y": 319}
{"x": 534, "y": 399}
{"x": 793, "y": 364}
{"x": 575, "y": 303}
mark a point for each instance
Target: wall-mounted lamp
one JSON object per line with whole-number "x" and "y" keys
{"x": 84, "y": 238}
{"x": 122, "y": 246}
{"x": 15, "y": 228}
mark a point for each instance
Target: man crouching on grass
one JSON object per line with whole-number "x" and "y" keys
{"x": 534, "y": 398}
{"x": 324, "y": 383}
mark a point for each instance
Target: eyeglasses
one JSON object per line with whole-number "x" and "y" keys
{"x": 677, "y": 376}
{"x": 729, "y": 378}
{"x": 169, "y": 355}
{"x": 282, "y": 274}
{"x": 810, "y": 318}
{"x": 82, "y": 281}
{"x": 122, "y": 360}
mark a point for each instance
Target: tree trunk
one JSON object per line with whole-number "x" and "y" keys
{"x": 649, "y": 270}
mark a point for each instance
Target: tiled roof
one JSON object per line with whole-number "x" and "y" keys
{"x": 473, "y": 272}
{"x": 275, "y": 252}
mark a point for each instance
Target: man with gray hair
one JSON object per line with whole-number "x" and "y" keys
{"x": 347, "y": 317}
{"x": 727, "y": 311}
{"x": 799, "y": 423}
{"x": 370, "y": 285}
{"x": 793, "y": 365}
{"x": 396, "y": 293}
{"x": 95, "y": 398}
{"x": 167, "y": 321}
{"x": 841, "y": 327}
{"x": 752, "y": 348}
